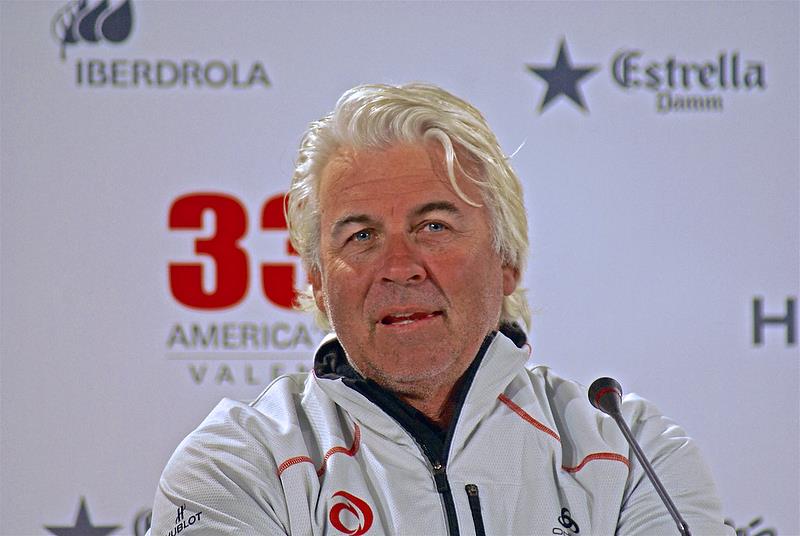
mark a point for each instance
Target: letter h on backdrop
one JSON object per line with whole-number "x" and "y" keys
{"x": 760, "y": 321}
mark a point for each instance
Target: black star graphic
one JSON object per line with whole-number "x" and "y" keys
{"x": 562, "y": 79}
{"x": 83, "y": 526}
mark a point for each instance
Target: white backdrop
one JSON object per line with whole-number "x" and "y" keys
{"x": 652, "y": 230}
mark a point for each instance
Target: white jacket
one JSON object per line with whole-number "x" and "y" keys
{"x": 527, "y": 454}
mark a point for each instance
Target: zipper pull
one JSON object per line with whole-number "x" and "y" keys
{"x": 475, "y": 507}
{"x": 440, "y": 477}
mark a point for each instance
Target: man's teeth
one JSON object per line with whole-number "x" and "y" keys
{"x": 405, "y": 318}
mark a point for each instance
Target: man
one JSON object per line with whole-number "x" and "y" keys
{"x": 419, "y": 416}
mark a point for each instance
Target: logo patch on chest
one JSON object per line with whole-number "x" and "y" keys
{"x": 349, "y": 514}
{"x": 569, "y": 525}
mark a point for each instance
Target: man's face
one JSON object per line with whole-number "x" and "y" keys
{"x": 409, "y": 278}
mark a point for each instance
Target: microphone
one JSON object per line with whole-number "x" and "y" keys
{"x": 606, "y": 395}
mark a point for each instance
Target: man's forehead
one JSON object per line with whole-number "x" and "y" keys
{"x": 343, "y": 161}
{"x": 347, "y": 158}
{"x": 401, "y": 168}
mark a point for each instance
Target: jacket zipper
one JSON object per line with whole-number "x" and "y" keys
{"x": 443, "y": 487}
{"x": 475, "y": 508}
{"x": 411, "y": 426}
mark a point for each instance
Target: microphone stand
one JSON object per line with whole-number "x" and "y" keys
{"x": 599, "y": 397}
{"x": 683, "y": 527}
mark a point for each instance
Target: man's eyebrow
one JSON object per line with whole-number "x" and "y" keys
{"x": 435, "y": 206}
{"x": 344, "y": 221}
{"x": 365, "y": 219}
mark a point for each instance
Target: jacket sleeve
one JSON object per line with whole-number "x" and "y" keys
{"x": 686, "y": 477}
{"x": 220, "y": 480}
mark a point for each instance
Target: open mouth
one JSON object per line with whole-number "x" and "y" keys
{"x": 400, "y": 319}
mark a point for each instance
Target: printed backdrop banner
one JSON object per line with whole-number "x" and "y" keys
{"x": 146, "y": 273}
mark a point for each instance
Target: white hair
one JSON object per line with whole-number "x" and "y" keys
{"x": 376, "y": 116}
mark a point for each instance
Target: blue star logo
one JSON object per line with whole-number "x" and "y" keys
{"x": 562, "y": 79}
{"x": 83, "y": 525}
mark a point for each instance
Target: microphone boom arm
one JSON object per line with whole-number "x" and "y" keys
{"x": 606, "y": 395}
{"x": 683, "y": 527}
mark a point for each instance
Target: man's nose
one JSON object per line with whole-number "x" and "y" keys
{"x": 402, "y": 264}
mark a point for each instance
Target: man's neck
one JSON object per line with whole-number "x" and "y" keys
{"x": 437, "y": 407}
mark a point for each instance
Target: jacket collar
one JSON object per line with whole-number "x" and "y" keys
{"x": 487, "y": 376}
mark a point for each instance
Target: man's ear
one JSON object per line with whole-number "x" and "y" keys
{"x": 510, "y": 279}
{"x": 315, "y": 278}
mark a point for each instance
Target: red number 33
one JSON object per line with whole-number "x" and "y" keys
{"x": 230, "y": 260}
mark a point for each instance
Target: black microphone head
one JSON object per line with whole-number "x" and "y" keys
{"x": 606, "y": 395}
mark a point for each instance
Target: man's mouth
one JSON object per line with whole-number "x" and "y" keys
{"x": 399, "y": 319}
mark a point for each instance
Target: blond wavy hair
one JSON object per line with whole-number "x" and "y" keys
{"x": 376, "y": 116}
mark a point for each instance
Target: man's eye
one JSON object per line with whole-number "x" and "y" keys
{"x": 362, "y": 236}
{"x": 435, "y": 227}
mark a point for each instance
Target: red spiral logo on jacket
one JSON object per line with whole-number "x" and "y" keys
{"x": 359, "y": 509}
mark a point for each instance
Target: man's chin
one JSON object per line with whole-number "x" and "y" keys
{"x": 405, "y": 372}
{"x": 405, "y": 385}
